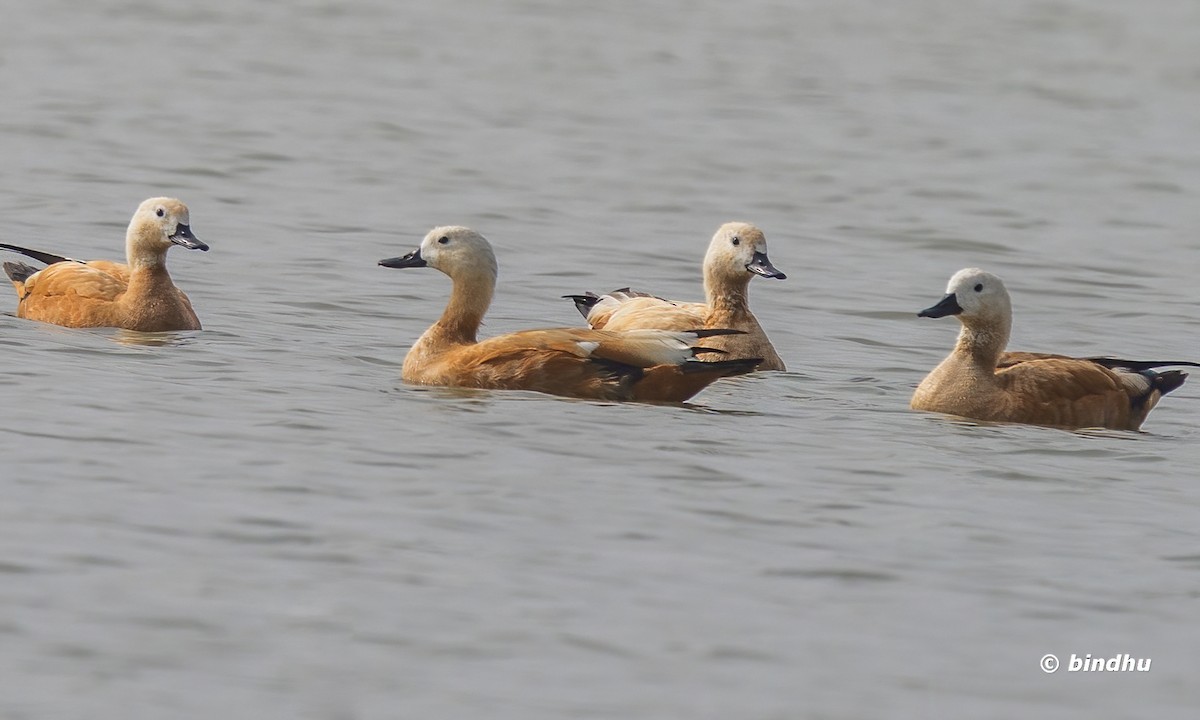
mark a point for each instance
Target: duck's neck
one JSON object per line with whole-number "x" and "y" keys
{"x": 148, "y": 274}
{"x": 728, "y": 297}
{"x": 983, "y": 343}
{"x": 146, "y": 254}
{"x": 469, "y": 301}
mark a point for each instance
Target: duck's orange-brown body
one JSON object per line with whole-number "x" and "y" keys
{"x": 562, "y": 361}
{"x": 137, "y": 295}
{"x": 646, "y": 365}
{"x": 737, "y": 253}
{"x": 980, "y": 380}
{"x": 105, "y": 294}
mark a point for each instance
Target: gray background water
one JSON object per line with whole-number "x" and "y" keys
{"x": 259, "y": 520}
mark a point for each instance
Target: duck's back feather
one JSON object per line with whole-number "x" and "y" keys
{"x": 581, "y": 363}
{"x": 1051, "y": 389}
{"x": 85, "y": 280}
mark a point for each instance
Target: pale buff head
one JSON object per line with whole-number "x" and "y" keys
{"x": 974, "y": 296}
{"x": 158, "y": 224}
{"x": 981, "y": 303}
{"x": 737, "y": 252}
{"x": 457, "y": 251}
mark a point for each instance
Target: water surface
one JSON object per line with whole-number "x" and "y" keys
{"x": 260, "y": 520}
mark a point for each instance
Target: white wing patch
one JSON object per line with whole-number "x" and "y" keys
{"x": 1137, "y": 383}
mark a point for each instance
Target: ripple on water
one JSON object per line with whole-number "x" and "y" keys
{"x": 846, "y": 575}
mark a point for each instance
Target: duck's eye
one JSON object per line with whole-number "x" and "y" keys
{"x": 443, "y": 240}
{"x": 736, "y": 240}
{"x": 160, "y": 212}
{"x": 978, "y": 287}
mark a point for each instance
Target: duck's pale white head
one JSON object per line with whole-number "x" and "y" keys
{"x": 453, "y": 249}
{"x": 160, "y": 223}
{"x": 973, "y": 294}
{"x": 739, "y": 248}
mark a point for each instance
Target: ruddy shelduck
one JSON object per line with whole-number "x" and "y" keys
{"x": 737, "y": 253}
{"x": 138, "y": 295}
{"x": 980, "y": 380}
{"x": 644, "y": 365}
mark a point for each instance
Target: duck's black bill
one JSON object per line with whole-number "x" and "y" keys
{"x": 183, "y": 237}
{"x": 413, "y": 259}
{"x": 948, "y": 306}
{"x": 761, "y": 265}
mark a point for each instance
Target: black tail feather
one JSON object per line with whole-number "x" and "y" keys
{"x": 585, "y": 302}
{"x": 729, "y": 367}
{"x": 48, "y": 258}
{"x": 1165, "y": 382}
{"x": 1160, "y": 382}
{"x": 19, "y": 271}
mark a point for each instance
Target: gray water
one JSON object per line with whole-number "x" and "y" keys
{"x": 260, "y": 521}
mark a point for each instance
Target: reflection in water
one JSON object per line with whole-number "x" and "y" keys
{"x": 154, "y": 339}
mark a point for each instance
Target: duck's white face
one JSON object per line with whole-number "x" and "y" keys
{"x": 973, "y": 294}
{"x": 163, "y": 222}
{"x": 453, "y": 249}
{"x": 739, "y": 248}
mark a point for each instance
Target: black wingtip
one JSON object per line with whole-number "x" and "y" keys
{"x": 1139, "y": 365}
{"x": 48, "y": 258}
{"x": 716, "y": 331}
